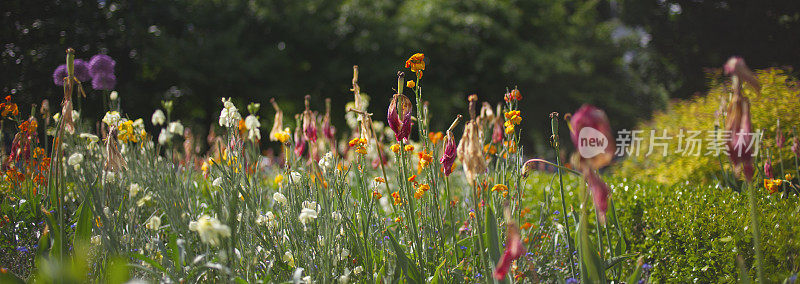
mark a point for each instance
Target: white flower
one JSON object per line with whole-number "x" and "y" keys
{"x": 153, "y": 223}
{"x": 358, "y": 270}
{"x": 158, "y": 117}
{"x": 217, "y": 182}
{"x": 210, "y": 230}
{"x": 295, "y": 177}
{"x": 75, "y": 115}
{"x": 90, "y": 137}
{"x": 113, "y": 96}
{"x": 164, "y": 136}
{"x": 75, "y": 160}
{"x": 307, "y": 280}
{"x": 112, "y": 118}
{"x": 269, "y": 219}
{"x": 288, "y": 257}
{"x": 252, "y": 124}
{"x": 280, "y": 198}
{"x": 345, "y": 278}
{"x": 306, "y": 215}
{"x": 326, "y": 162}
{"x": 175, "y": 127}
{"x": 229, "y": 116}
{"x": 311, "y": 205}
{"x": 345, "y": 253}
{"x": 134, "y": 190}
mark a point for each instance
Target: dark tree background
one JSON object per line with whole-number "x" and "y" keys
{"x": 627, "y": 57}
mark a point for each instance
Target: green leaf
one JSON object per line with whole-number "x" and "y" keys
{"x": 403, "y": 262}
{"x": 744, "y": 276}
{"x": 616, "y": 260}
{"x": 491, "y": 232}
{"x": 83, "y": 229}
{"x": 152, "y": 263}
{"x": 594, "y": 267}
{"x": 437, "y": 275}
{"x": 117, "y": 271}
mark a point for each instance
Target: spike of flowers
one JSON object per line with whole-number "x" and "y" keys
{"x": 299, "y": 140}
{"x": 470, "y": 149}
{"x": 327, "y": 129}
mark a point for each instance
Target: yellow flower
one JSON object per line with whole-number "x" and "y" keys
{"x": 471, "y": 214}
{"x": 435, "y": 137}
{"x": 788, "y": 177}
{"x": 361, "y": 150}
{"x": 397, "y": 220}
{"x": 416, "y": 63}
{"x": 410, "y": 84}
{"x": 424, "y": 187}
{"x": 282, "y": 136}
{"x": 499, "y": 187}
{"x": 490, "y": 149}
{"x": 419, "y": 194}
{"x": 380, "y": 179}
{"x": 376, "y": 194}
{"x": 396, "y": 197}
{"x": 395, "y": 148}
{"x": 510, "y": 130}
{"x": 279, "y": 179}
{"x": 409, "y": 148}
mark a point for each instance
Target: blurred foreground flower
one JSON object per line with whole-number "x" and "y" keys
{"x": 738, "y": 122}
{"x": 514, "y": 249}
{"x": 211, "y": 231}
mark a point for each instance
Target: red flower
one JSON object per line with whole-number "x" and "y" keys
{"x": 590, "y": 122}
{"x": 400, "y": 123}
{"x": 514, "y": 249}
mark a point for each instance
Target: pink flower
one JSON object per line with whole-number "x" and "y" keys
{"x": 795, "y": 146}
{"x": 497, "y": 132}
{"x": 514, "y": 249}
{"x": 738, "y": 122}
{"x": 590, "y": 122}
{"x": 299, "y": 142}
{"x": 327, "y": 129}
{"x": 400, "y": 123}
{"x": 768, "y": 168}
{"x": 600, "y": 194}
{"x": 779, "y": 139}
{"x": 449, "y": 154}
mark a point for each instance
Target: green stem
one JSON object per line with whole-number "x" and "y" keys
{"x": 756, "y": 232}
{"x": 570, "y": 245}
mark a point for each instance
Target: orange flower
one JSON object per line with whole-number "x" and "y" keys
{"x": 409, "y": 148}
{"x": 499, "y": 187}
{"x": 376, "y": 194}
{"x": 435, "y": 137}
{"x": 526, "y": 226}
{"x": 380, "y": 179}
{"x": 419, "y": 193}
{"x": 410, "y": 84}
{"x": 416, "y": 63}
{"x": 397, "y": 199}
{"x": 395, "y": 148}
{"x": 424, "y": 187}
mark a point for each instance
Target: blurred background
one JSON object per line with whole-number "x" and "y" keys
{"x": 629, "y": 57}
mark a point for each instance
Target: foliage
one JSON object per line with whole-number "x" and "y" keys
{"x": 691, "y": 232}
{"x": 777, "y": 100}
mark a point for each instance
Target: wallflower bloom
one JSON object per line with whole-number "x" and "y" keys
{"x": 395, "y": 148}
{"x": 499, "y": 188}
{"x": 416, "y": 63}
{"x": 309, "y": 122}
{"x": 211, "y": 231}
{"x": 396, "y": 198}
{"x": 276, "y": 133}
{"x": 449, "y": 153}
{"x": 773, "y": 185}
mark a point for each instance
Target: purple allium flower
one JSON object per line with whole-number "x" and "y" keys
{"x": 100, "y": 65}
{"x": 571, "y": 280}
{"x": 104, "y": 82}
{"x": 59, "y": 74}
{"x": 646, "y": 267}
{"x": 82, "y": 70}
